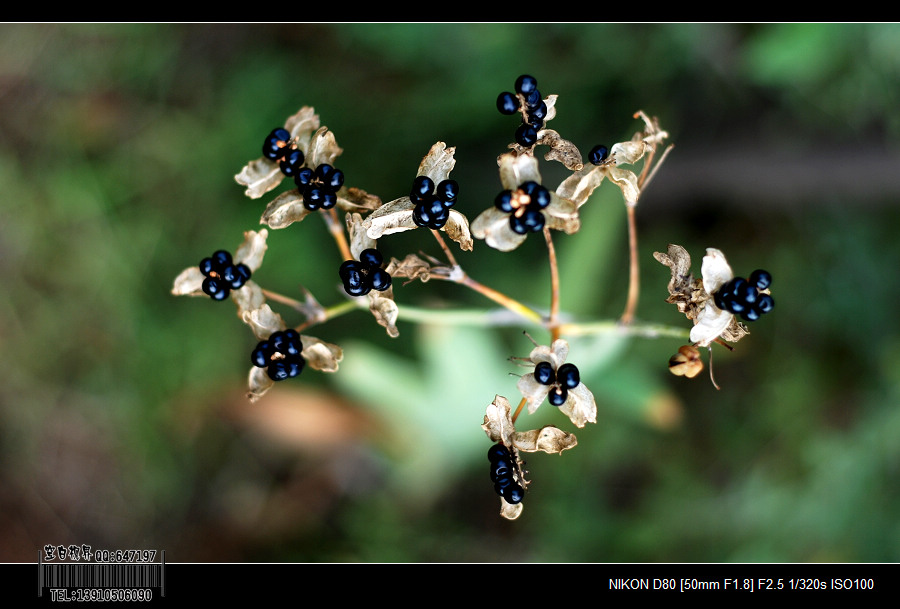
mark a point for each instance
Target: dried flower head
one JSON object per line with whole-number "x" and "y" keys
{"x": 553, "y": 377}
{"x": 495, "y": 224}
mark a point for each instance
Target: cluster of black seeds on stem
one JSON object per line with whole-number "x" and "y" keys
{"x": 363, "y": 275}
{"x": 524, "y": 207}
{"x": 222, "y": 276}
{"x": 320, "y": 186}
{"x": 280, "y": 147}
{"x": 743, "y": 296}
{"x": 432, "y": 207}
{"x": 280, "y": 355}
{"x": 560, "y": 381}
{"x": 503, "y": 466}
{"x": 527, "y": 100}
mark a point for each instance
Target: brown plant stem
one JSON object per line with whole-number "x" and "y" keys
{"x": 554, "y": 286}
{"x": 450, "y": 258}
{"x": 519, "y": 409}
{"x": 337, "y": 232}
{"x": 634, "y": 271}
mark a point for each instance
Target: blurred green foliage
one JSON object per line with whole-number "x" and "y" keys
{"x": 122, "y": 416}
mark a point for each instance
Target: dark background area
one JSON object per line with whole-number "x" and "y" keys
{"x": 123, "y": 422}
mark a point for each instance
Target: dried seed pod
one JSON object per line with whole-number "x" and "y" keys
{"x": 686, "y": 362}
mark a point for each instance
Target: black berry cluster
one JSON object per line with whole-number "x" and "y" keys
{"x": 222, "y": 275}
{"x": 524, "y": 207}
{"x": 560, "y": 381}
{"x": 280, "y": 355}
{"x": 527, "y": 100}
{"x": 598, "y": 154}
{"x": 319, "y": 187}
{"x": 432, "y": 208}
{"x": 363, "y": 275}
{"x": 503, "y": 465}
{"x": 280, "y": 147}
{"x": 742, "y": 296}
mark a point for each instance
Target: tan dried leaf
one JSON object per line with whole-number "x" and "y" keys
{"x": 385, "y": 310}
{"x": 579, "y": 186}
{"x": 189, "y": 283}
{"x": 548, "y": 439}
{"x": 393, "y": 217}
{"x": 302, "y": 124}
{"x": 284, "y": 210}
{"x": 561, "y": 150}
{"x": 685, "y": 292}
{"x": 320, "y": 355}
{"x": 412, "y": 267}
{"x": 259, "y": 176}
{"x": 248, "y": 298}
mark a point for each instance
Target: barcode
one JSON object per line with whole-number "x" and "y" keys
{"x": 101, "y": 575}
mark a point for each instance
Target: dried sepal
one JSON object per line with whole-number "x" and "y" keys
{"x": 412, "y": 267}
{"x": 259, "y": 176}
{"x": 263, "y": 321}
{"x": 358, "y": 200}
{"x": 302, "y": 124}
{"x": 548, "y": 439}
{"x": 492, "y": 225}
{"x": 438, "y": 163}
{"x": 561, "y": 150}
{"x": 385, "y": 310}
{"x": 685, "y": 292}
{"x": 248, "y": 298}
{"x": 258, "y": 383}
{"x": 320, "y": 355}
{"x": 284, "y": 210}
{"x": 322, "y": 148}
{"x": 686, "y": 362}
{"x": 498, "y": 423}
{"x": 510, "y": 511}
{"x": 359, "y": 238}
{"x": 517, "y": 169}
{"x": 253, "y": 249}
{"x": 189, "y": 282}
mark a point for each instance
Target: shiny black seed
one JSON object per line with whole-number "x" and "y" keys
{"x": 598, "y": 154}
{"x": 349, "y": 265}
{"x": 329, "y": 200}
{"x": 541, "y": 197}
{"x": 217, "y": 289}
{"x": 279, "y": 370}
{"x": 371, "y": 257}
{"x": 533, "y": 99}
{"x": 275, "y": 144}
{"x": 558, "y": 395}
{"x": 765, "y": 303}
{"x": 447, "y": 191}
{"x": 356, "y": 284}
{"x": 291, "y": 163}
{"x": 313, "y": 198}
{"x": 539, "y": 112}
{"x": 543, "y": 373}
{"x": 569, "y": 376}
{"x": 526, "y": 135}
{"x": 304, "y": 177}
{"x": 761, "y": 279}
{"x": 220, "y": 260}
{"x": 751, "y": 313}
{"x": 517, "y": 225}
{"x": 422, "y": 187}
{"x": 525, "y": 84}
{"x": 507, "y": 103}
{"x": 260, "y": 356}
{"x": 236, "y": 275}
{"x": 513, "y": 494}
{"x": 206, "y": 266}
{"x": 533, "y": 220}
{"x": 498, "y": 451}
{"x": 380, "y": 279}
{"x": 503, "y": 202}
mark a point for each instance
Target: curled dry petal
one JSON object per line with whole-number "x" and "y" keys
{"x": 323, "y": 148}
{"x": 629, "y": 152}
{"x": 579, "y": 186}
{"x": 548, "y": 439}
{"x": 517, "y": 169}
{"x": 438, "y": 163}
{"x": 252, "y": 250}
{"x": 412, "y": 267}
{"x": 627, "y": 183}
{"x": 259, "y": 383}
{"x": 534, "y": 392}
{"x": 385, "y": 310}
{"x": 715, "y": 270}
{"x": 263, "y": 321}
{"x": 510, "y": 511}
{"x": 685, "y": 292}
{"x": 359, "y": 239}
{"x": 357, "y": 199}
{"x": 320, "y": 355}
{"x": 710, "y": 324}
{"x": 498, "y": 423}
{"x": 284, "y": 210}
{"x": 580, "y": 406}
{"x": 259, "y": 176}
{"x": 492, "y": 225}
{"x": 189, "y": 283}
{"x": 302, "y": 124}
{"x": 397, "y": 216}
{"x": 562, "y": 215}
{"x": 561, "y": 150}
{"x": 248, "y": 298}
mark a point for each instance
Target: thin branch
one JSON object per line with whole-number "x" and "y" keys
{"x": 634, "y": 270}
{"x": 554, "y": 286}
{"x": 337, "y": 232}
{"x": 519, "y": 409}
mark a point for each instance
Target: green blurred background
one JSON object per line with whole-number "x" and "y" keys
{"x": 123, "y": 422}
